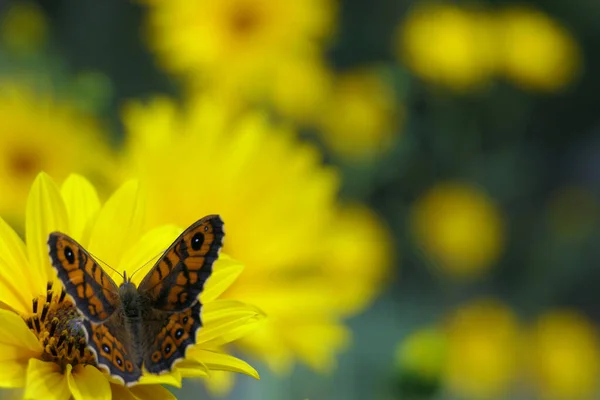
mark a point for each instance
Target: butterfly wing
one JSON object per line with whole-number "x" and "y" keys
{"x": 178, "y": 277}
{"x": 173, "y": 286}
{"x": 94, "y": 292}
{"x": 113, "y": 347}
{"x": 168, "y": 335}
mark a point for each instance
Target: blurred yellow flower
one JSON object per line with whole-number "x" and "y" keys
{"x": 536, "y": 52}
{"x": 282, "y": 217}
{"x": 43, "y": 344}
{"x": 424, "y": 353}
{"x": 23, "y": 28}
{"x": 300, "y": 87}
{"x": 40, "y": 133}
{"x": 447, "y": 44}
{"x": 235, "y": 43}
{"x": 564, "y": 348}
{"x": 361, "y": 116}
{"x": 483, "y": 344}
{"x": 460, "y": 227}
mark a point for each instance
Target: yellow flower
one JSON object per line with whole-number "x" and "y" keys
{"x": 23, "y": 28}
{"x": 448, "y": 44}
{"x": 283, "y": 220}
{"x": 537, "y": 52}
{"x": 565, "y": 356}
{"x": 361, "y": 116}
{"x": 460, "y": 227}
{"x": 300, "y": 87}
{"x": 38, "y": 133}
{"x": 43, "y": 345}
{"x": 482, "y": 343}
{"x": 235, "y": 43}
{"x": 423, "y": 353}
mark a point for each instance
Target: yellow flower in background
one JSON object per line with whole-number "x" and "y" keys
{"x": 235, "y": 43}
{"x": 361, "y": 116}
{"x": 43, "y": 345}
{"x": 283, "y": 220}
{"x": 447, "y": 44}
{"x": 564, "y": 350}
{"x": 483, "y": 344}
{"x": 23, "y": 28}
{"x": 460, "y": 227}
{"x": 301, "y": 87}
{"x": 536, "y": 52}
{"x": 39, "y": 133}
{"x": 424, "y": 353}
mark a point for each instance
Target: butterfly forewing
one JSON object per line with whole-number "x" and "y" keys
{"x": 176, "y": 280}
{"x": 92, "y": 289}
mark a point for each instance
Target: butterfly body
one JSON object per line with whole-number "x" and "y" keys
{"x": 150, "y": 326}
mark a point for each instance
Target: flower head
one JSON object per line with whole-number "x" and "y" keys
{"x": 38, "y": 133}
{"x": 283, "y": 220}
{"x": 460, "y": 227}
{"x": 43, "y": 340}
{"x": 234, "y": 43}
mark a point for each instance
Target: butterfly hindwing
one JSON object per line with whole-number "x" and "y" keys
{"x": 114, "y": 348}
{"x": 178, "y": 277}
{"x": 92, "y": 289}
{"x": 168, "y": 338}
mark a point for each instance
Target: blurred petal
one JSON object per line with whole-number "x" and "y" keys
{"x": 226, "y": 321}
{"x": 173, "y": 378}
{"x": 151, "y": 392}
{"x": 88, "y": 383}
{"x": 13, "y": 265}
{"x": 46, "y": 213}
{"x": 82, "y": 204}
{"x": 190, "y": 368}
{"x": 118, "y": 225}
{"x": 146, "y": 251}
{"x": 225, "y": 271}
{"x": 46, "y": 381}
{"x": 222, "y": 362}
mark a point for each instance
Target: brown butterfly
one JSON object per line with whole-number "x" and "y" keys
{"x": 150, "y": 326}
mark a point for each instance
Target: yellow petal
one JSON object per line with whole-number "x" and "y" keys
{"x": 222, "y": 362}
{"x": 46, "y": 381}
{"x": 145, "y": 252}
{"x": 121, "y": 392}
{"x": 17, "y": 342}
{"x": 13, "y": 374}
{"x": 45, "y": 213}
{"x": 225, "y": 271}
{"x": 192, "y": 368}
{"x": 227, "y": 320}
{"x": 152, "y": 392}
{"x": 13, "y": 267}
{"x": 82, "y": 204}
{"x": 118, "y": 225}
{"x": 88, "y": 383}
{"x": 173, "y": 378}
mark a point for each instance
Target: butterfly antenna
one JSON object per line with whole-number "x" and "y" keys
{"x": 146, "y": 263}
{"x": 106, "y": 264}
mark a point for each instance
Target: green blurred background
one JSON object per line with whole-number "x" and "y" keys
{"x": 470, "y": 128}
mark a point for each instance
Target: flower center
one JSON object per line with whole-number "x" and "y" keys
{"x": 58, "y": 326}
{"x": 23, "y": 163}
{"x": 244, "y": 21}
